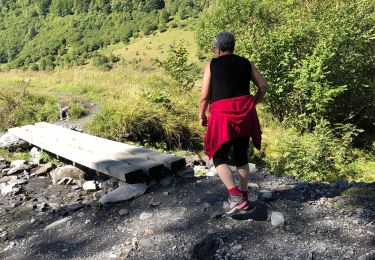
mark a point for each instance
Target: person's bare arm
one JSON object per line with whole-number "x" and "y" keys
{"x": 259, "y": 82}
{"x": 205, "y": 95}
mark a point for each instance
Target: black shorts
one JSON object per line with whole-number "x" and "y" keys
{"x": 240, "y": 147}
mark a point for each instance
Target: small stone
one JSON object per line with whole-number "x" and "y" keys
{"x": 227, "y": 226}
{"x": 253, "y": 185}
{"x": 76, "y": 187}
{"x": 237, "y": 247}
{"x": 123, "y": 212}
{"x": 7, "y": 189}
{"x": 149, "y": 232}
{"x": 32, "y": 221}
{"x": 18, "y": 168}
{"x": 166, "y": 193}
{"x": 17, "y": 163}
{"x": 75, "y": 206}
{"x": 3, "y": 236}
{"x": 145, "y": 215}
{"x": 44, "y": 169}
{"x": 90, "y": 186}
{"x": 252, "y": 167}
{"x": 64, "y": 250}
{"x": 81, "y": 214}
{"x": 57, "y": 223}
{"x": 87, "y": 221}
{"x": 265, "y": 194}
{"x": 277, "y": 219}
{"x": 146, "y": 243}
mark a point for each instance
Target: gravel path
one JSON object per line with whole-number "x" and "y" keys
{"x": 180, "y": 218}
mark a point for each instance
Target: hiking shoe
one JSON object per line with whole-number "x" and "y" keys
{"x": 235, "y": 203}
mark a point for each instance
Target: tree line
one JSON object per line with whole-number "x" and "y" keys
{"x": 43, "y": 34}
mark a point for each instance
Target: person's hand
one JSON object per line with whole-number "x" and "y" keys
{"x": 204, "y": 121}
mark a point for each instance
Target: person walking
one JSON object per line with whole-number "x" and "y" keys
{"x": 232, "y": 116}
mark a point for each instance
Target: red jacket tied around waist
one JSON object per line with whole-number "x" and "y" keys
{"x": 229, "y": 118}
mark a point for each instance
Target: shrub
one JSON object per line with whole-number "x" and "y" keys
{"x": 318, "y": 57}
{"x": 178, "y": 68}
{"x": 20, "y": 107}
{"x": 319, "y": 155}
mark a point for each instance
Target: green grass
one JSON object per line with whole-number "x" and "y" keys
{"x": 11, "y": 156}
{"x": 358, "y": 191}
{"x": 348, "y": 206}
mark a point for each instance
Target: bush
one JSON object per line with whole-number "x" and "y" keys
{"x": 319, "y": 155}
{"x": 177, "y": 66}
{"x": 102, "y": 62}
{"x": 20, "y": 107}
{"x": 318, "y": 57}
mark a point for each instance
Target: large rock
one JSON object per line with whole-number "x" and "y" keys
{"x": 43, "y": 169}
{"x": 68, "y": 171}
{"x": 12, "y": 142}
{"x": 277, "y": 219}
{"x": 123, "y": 193}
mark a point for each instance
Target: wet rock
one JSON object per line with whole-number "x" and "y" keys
{"x": 12, "y": 142}
{"x": 277, "y": 219}
{"x": 123, "y": 193}
{"x": 90, "y": 186}
{"x": 145, "y": 215}
{"x": 44, "y": 169}
{"x": 68, "y": 171}
{"x": 57, "y": 223}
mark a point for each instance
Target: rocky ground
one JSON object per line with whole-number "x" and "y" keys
{"x": 55, "y": 211}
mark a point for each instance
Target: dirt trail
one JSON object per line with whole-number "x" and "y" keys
{"x": 92, "y": 109}
{"x": 176, "y": 214}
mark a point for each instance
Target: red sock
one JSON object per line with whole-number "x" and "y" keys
{"x": 235, "y": 191}
{"x": 244, "y": 193}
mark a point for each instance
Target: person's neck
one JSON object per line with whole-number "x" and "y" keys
{"x": 222, "y": 53}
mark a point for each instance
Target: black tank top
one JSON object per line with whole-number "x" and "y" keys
{"x": 230, "y": 77}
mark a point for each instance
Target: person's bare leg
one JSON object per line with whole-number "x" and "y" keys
{"x": 243, "y": 177}
{"x": 225, "y": 174}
